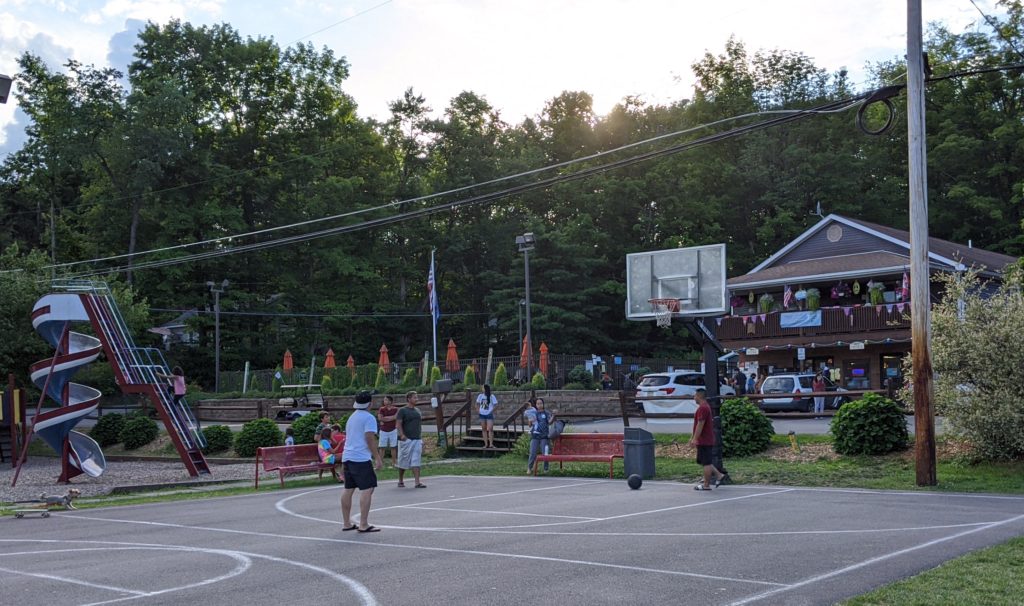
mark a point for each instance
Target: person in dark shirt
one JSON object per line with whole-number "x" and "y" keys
{"x": 704, "y": 439}
{"x": 540, "y": 441}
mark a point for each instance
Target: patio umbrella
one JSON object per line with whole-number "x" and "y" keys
{"x": 329, "y": 359}
{"x": 384, "y": 361}
{"x": 288, "y": 364}
{"x": 525, "y": 355}
{"x": 451, "y": 361}
{"x": 351, "y": 364}
{"x": 543, "y": 358}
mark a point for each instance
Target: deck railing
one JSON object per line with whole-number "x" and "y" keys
{"x": 834, "y": 321}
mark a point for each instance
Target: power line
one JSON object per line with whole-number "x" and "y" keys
{"x": 345, "y": 20}
{"x": 272, "y": 314}
{"x": 564, "y": 164}
{"x": 835, "y": 106}
{"x": 995, "y": 26}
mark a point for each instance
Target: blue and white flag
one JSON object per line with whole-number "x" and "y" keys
{"x": 435, "y": 307}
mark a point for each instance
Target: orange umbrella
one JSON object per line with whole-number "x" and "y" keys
{"x": 451, "y": 361}
{"x": 384, "y": 360}
{"x": 329, "y": 359}
{"x": 525, "y": 355}
{"x": 288, "y": 365}
{"x": 543, "y": 358}
{"x": 351, "y": 364}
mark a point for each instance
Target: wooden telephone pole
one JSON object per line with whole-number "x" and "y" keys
{"x": 920, "y": 295}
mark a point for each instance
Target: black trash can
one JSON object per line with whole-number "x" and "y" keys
{"x": 638, "y": 452}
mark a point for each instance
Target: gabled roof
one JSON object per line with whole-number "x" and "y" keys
{"x": 175, "y": 325}
{"x": 967, "y": 255}
{"x": 943, "y": 255}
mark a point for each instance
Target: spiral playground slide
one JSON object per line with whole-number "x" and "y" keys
{"x": 51, "y": 318}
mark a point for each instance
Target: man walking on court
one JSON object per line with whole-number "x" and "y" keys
{"x": 410, "y": 442}
{"x": 360, "y": 449}
{"x": 704, "y": 439}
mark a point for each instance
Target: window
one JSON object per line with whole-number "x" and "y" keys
{"x": 653, "y": 381}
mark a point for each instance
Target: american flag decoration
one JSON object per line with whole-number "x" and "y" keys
{"x": 787, "y": 296}
{"x": 905, "y": 288}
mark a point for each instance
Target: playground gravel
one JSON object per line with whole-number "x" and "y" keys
{"x": 39, "y": 475}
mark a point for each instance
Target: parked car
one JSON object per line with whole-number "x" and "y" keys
{"x": 675, "y": 383}
{"x": 293, "y": 415}
{"x": 798, "y": 384}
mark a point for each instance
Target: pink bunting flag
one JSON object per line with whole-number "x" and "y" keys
{"x": 900, "y": 307}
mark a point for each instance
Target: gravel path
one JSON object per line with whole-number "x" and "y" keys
{"x": 39, "y": 475}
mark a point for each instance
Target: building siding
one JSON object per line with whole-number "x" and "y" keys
{"x": 853, "y": 241}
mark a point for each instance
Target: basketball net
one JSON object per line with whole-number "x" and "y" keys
{"x": 663, "y": 310}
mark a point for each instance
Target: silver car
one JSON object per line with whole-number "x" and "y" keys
{"x": 794, "y": 385}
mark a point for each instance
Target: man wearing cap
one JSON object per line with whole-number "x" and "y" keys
{"x": 360, "y": 449}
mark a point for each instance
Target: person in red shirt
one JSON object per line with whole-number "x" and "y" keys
{"x": 704, "y": 439}
{"x": 386, "y": 416}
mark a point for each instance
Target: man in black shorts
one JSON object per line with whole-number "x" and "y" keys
{"x": 704, "y": 439}
{"x": 360, "y": 449}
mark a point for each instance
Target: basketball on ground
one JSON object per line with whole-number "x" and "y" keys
{"x": 634, "y": 481}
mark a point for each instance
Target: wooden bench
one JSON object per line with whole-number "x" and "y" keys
{"x": 584, "y": 447}
{"x": 287, "y": 460}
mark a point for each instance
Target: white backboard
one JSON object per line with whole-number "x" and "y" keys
{"x": 695, "y": 275}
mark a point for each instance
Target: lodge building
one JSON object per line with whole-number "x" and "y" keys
{"x": 838, "y": 295}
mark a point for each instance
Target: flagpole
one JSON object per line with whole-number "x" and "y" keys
{"x": 433, "y": 302}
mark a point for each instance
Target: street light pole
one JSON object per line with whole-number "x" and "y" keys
{"x": 216, "y": 330}
{"x": 519, "y": 308}
{"x": 526, "y": 243}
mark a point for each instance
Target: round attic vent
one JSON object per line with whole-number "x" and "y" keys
{"x": 834, "y": 233}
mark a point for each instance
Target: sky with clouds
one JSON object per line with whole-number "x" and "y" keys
{"x": 516, "y": 54}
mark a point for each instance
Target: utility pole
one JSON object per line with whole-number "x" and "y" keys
{"x": 920, "y": 294}
{"x": 216, "y": 329}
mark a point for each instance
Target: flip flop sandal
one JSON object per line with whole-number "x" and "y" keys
{"x": 701, "y": 487}
{"x": 401, "y": 485}
{"x": 352, "y": 527}
{"x": 421, "y": 486}
{"x": 369, "y": 529}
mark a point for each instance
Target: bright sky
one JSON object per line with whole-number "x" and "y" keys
{"x": 516, "y": 53}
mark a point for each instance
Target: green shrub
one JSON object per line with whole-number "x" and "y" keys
{"x": 218, "y": 438}
{"x": 326, "y": 383}
{"x": 138, "y": 431}
{"x": 304, "y": 426}
{"x": 255, "y": 434}
{"x": 521, "y": 448}
{"x": 435, "y": 375}
{"x": 470, "y": 378}
{"x": 254, "y": 385}
{"x": 581, "y": 375}
{"x": 107, "y": 430}
{"x": 500, "y": 375}
{"x": 382, "y": 378}
{"x": 408, "y": 379}
{"x": 745, "y": 429}
{"x": 574, "y": 386}
{"x": 539, "y": 381}
{"x": 872, "y": 425}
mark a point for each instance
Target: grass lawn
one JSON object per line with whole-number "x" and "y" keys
{"x": 989, "y": 577}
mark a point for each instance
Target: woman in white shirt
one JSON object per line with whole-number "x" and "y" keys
{"x": 487, "y": 403}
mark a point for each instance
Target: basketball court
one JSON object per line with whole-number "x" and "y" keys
{"x": 501, "y": 540}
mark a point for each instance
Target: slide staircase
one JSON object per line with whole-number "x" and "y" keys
{"x": 135, "y": 370}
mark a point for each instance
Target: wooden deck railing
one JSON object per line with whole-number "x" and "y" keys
{"x": 834, "y": 321}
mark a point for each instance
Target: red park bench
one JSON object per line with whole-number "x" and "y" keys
{"x": 585, "y": 447}
{"x": 294, "y": 459}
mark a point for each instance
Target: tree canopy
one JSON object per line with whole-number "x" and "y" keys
{"x": 238, "y": 149}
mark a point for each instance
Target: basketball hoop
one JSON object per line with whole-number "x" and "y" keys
{"x": 663, "y": 310}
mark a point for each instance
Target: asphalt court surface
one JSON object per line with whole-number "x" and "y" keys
{"x": 501, "y": 540}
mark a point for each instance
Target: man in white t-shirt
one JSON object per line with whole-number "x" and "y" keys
{"x": 360, "y": 450}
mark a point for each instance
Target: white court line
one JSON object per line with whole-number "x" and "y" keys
{"x": 701, "y": 535}
{"x": 280, "y": 507}
{"x": 365, "y": 595}
{"x": 501, "y": 513}
{"x": 53, "y": 577}
{"x": 469, "y": 552}
{"x": 243, "y": 564}
{"x": 875, "y": 560}
{"x": 883, "y": 492}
